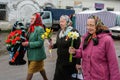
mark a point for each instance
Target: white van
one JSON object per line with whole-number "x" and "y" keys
{"x": 115, "y": 31}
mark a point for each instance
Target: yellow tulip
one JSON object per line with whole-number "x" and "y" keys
{"x": 48, "y": 30}
{"x": 69, "y": 34}
{"x": 43, "y": 36}
{"x": 46, "y": 34}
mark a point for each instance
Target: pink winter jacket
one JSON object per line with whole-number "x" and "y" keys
{"x": 99, "y": 62}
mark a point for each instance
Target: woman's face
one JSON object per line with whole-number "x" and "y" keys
{"x": 91, "y": 26}
{"x": 62, "y": 23}
{"x": 33, "y": 18}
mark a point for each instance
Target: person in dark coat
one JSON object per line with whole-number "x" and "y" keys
{"x": 64, "y": 69}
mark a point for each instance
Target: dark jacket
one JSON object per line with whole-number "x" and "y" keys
{"x": 64, "y": 68}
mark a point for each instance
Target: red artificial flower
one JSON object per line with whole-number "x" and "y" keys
{"x": 19, "y": 32}
{"x": 13, "y": 37}
{"x": 17, "y": 38}
{"x": 8, "y": 41}
{"x": 9, "y": 36}
{"x": 13, "y": 42}
{"x": 12, "y": 34}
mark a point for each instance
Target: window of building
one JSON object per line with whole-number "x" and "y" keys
{"x": 69, "y": 7}
{"x": 110, "y": 9}
{"x": 2, "y": 11}
{"x": 85, "y": 8}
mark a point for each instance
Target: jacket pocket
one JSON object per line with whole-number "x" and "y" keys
{"x": 100, "y": 72}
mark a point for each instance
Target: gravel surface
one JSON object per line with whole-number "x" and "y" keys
{"x": 3, "y": 37}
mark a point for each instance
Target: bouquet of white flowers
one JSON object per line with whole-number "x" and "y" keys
{"x": 73, "y": 35}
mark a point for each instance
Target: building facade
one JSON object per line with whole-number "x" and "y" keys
{"x": 12, "y": 10}
{"x": 18, "y": 9}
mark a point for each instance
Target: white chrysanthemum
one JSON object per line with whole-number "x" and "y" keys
{"x": 75, "y": 35}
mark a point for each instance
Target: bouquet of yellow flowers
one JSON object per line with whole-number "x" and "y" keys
{"x": 73, "y": 35}
{"x": 47, "y": 35}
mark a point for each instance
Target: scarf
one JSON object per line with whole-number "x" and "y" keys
{"x": 64, "y": 33}
{"x": 38, "y": 22}
{"x": 94, "y": 38}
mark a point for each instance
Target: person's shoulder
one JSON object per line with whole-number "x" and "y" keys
{"x": 59, "y": 31}
{"x": 39, "y": 29}
{"x": 106, "y": 37}
{"x": 75, "y": 30}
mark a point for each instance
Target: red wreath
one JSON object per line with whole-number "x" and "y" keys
{"x": 13, "y": 38}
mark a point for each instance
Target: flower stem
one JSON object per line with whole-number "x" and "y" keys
{"x": 70, "y": 56}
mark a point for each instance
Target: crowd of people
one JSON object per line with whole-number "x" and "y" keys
{"x": 94, "y": 53}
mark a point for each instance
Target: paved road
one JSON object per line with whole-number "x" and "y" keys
{"x": 8, "y": 72}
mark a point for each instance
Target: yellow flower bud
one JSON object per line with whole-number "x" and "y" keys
{"x": 69, "y": 34}
{"x": 46, "y": 34}
{"x": 43, "y": 36}
{"x": 48, "y": 30}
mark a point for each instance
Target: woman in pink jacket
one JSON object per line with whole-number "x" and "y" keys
{"x": 99, "y": 61}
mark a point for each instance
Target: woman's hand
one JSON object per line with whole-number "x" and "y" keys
{"x": 24, "y": 43}
{"x": 71, "y": 50}
{"x": 78, "y": 67}
{"x": 50, "y": 46}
